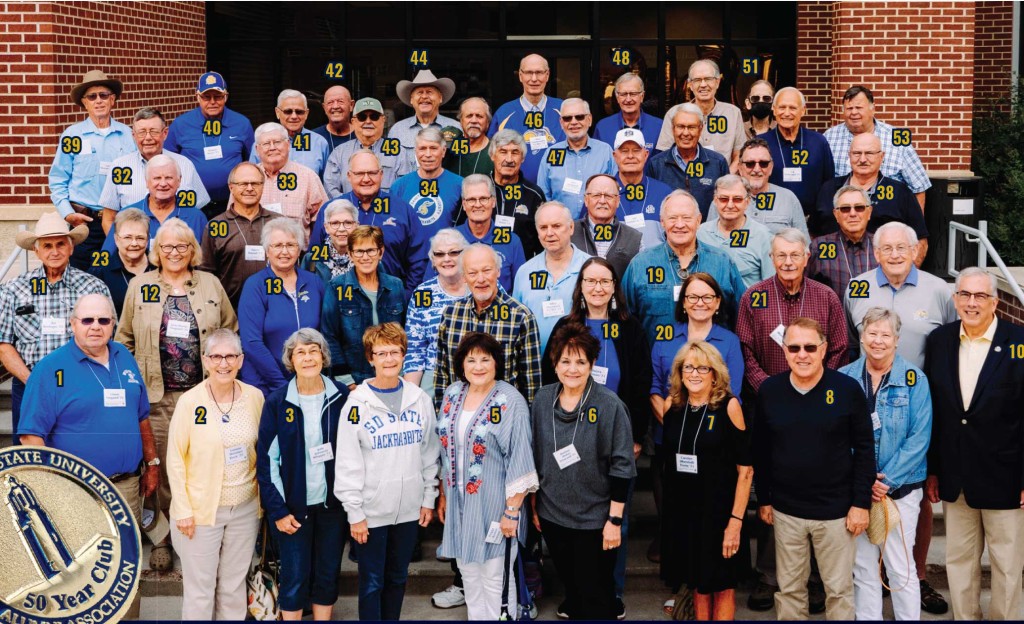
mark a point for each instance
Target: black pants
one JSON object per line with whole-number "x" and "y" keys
{"x": 81, "y": 257}
{"x": 585, "y": 569}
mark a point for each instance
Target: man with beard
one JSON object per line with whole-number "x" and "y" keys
{"x": 338, "y": 108}
{"x": 369, "y": 135}
{"x": 468, "y": 151}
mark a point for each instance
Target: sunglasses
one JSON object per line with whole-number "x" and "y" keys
{"x": 371, "y": 115}
{"x": 749, "y": 164}
{"x": 810, "y": 348}
{"x": 754, "y": 99}
{"x": 568, "y": 118}
{"x": 446, "y": 254}
{"x": 294, "y": 111}
{"x": 92, "y": 97}
{"x": 102, "y": 320}
{"x": 855, "y": 207}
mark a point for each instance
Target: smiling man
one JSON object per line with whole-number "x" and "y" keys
{"x": 338, "y": 108}
{"x": 599, "y": 232}
{"x": 629, "y": 95}
{"x": 478, "y": 202}
{"x": 746, "y": 241}
{"x": 424, "y": 94}
{"x": 570, "y": 163}
{"x": 289, "y": 188}
{"x": 369, "y": 135}
{"x": 689, "y": 166}
{"x": 837, "y": 257}
{"x": 306, "y": 147}
{"x": 468, "y": 153}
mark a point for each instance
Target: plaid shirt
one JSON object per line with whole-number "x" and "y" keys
{"x": 510, "y": 322}
{"x": 300, "y": 202}
{"x": 835, "y": 268}
{"x": 22, "y": 311}
{"x": 901, "y": 162}
{"x": 762, "y": 356}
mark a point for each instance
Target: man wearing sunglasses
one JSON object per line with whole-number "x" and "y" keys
{"x": 771, "y": 205}
{"x": 369, "y": 135}
{"x": 814, "y": 465}
{"x": 337, "y": 105}
{"x": 84, "y": 156}
{"x": 839, "y": 256}
{"x": 214, "y": 137}
{"x": 306, "y": 147}
{"x": 629, "y": 95}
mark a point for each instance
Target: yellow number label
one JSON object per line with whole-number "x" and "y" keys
{"x": 289, "y": 414}
{"x": 38, "y": 285}
{"x": 765, "y": 201}
{"x": 502, "y": 236}
{"x": 534, "y": 120}
{"x": 59, "y": 374}
{"x": 830, "y": 397}
{"x": 826, "y": 251}
{"x": 799, "y": 157}
{"x": 556, "y": 157}
{"x": 301, "y": 142}
{"x": 695, "y": 170}
{"x": 150, "y": 293}
{"x": 513, "y": 192}
{"x": 218, "y": 229}
{"x": 319, "y": 253}
{"x": 422, "y": 298}
{"x": 655, "y": 275}
{"x": 391, "y": 147}
{"x": 460, "y": 147}
{"x": 381, "y": 205}
{"x": 419, "y": 58}
{"x": 911, "y": 378}
{"x": 1017, "y": 352}
{"x": 100, "y": 258}
{"x": 501, "y": 312}
{"x": 187, "y": 199}
{"x": 901, "y": 137}
{"x": 428, "y": 188}
{"x": 751, "y": 66}
{"x": 275, "y": 285}
{"x": 495, "y": 416}
{"x": 603, "y": 233}
{"x": 592, "y": 415}
{"x": 353, "y": 415}
{"x": 711, "y": 422}
{"x": 287, "y": 182}
{"x": 539, "y": 280}
{"x": 344, "y": 292}
{"x": 620, "y": 57}
{"x": 886, "y": 192}
{"x": 664, "y": 332}
{"x": 738, "y": 238}
{"x": 858, "y": 289}
{"x": 212, "y": 127}
{"x": 121, "y": 175}
{"x": 200, "y": 415}
{"x": 717, "y": 124}
{"x": 635, "y": 192}
{"x": 71, "y": 145}
{"x": 611, "y": 330}
{"x": 759, "y": 299}
{"x": 335, "y": 70}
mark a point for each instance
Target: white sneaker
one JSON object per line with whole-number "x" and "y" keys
{"x": 452, "y": 597}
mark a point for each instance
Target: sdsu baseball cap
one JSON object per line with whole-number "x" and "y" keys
{"x": 629, "y": 134}
{"x": 212, "y": 80}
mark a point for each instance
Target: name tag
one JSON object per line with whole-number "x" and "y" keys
{"x": 255, "y": 252}
{"x": 778, "y": 333}
{"x": 600, "y": 374}
{"x": 876, "y": 422}
{"x": 676, "y": 290}
{"x": 105, "y": 167}
{"x": 539, "y": 142}
{"x": 572, "y": 185}
{"x": 86, "y": 146}
{"x": 686, "y": 463}
{"x": 178, "y": 329}
{"x": 566, "y": 456}
{"x": 555, "y": 307}
{"x": 213, "y": 152}
{"x": 114, "y": 397}
{"x": 635, "y": 221}
{"x": 235, "y": 454}
{"x": 320, "y": 454}
{"x": 504, "y": 222}
{"x": 54, "y": 326}
{"x": 792, "y": 174}
{"x": 274, "y": 208}
{"x": 494, "y": 533}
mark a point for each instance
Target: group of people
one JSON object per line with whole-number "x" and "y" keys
{"x": 492, "y": 318}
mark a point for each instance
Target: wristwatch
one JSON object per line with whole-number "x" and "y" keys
{"x": 153, "y": 462}
{"x": 615, "y": 520}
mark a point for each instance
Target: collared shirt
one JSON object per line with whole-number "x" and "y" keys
{"x": 541, "y": 134}
{"x": 891, "y": 200}
{"x": 670, "y": 168}
{"x": 549, "y": 298}
{"x": 505, "y": 243}
{"x": 110, "y": 269}
{"x": 776, "y": 207}
{"x": 835, "y": 259}
{"x": 973, "y": 352}
{"x": 648, "y": 125}
{"x": 565, "y": 182}
{"x": 84, "y": 156}
{"x": 334, "y": 141}
{"x": 129, "y": 185}
{"x": 407, "y": 129}
{"x": 194, "y": 218}
{"x": 295, "y": 192}
{"x": 214, "y": 155}
{"x": 35, "y": 315}
{"x": 643, "y": 200}
{"x": 393, "y": 166}
{"x": 519, "y": 200}
{"x": 64, "y": 404}
{"x": 724, "y": 134}
{"x": 311, "y": 152}
{"x": 433, "y": 203}
{"x": 224, "y": 254}
{"x": 806, "y": 161}
{"x": 421, "y": 322}
{"x": 510, "y": 323}
{"x": 901, "y": 161}
{"x": 749, "y": 246}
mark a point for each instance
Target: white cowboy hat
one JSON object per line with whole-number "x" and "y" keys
{"x": 49, "y": 225}
{"x": 425, "y": 78}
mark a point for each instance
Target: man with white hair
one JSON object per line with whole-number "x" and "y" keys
{"x": 368, "y": 134}
{"x": 307, "y": 147}
{"x": 424, "y": 94}
{"x": 478, "y": 202}
{"x": 569, "y": 164}
{"x": 629, "y": 95}
{"x": 289, "y": 189}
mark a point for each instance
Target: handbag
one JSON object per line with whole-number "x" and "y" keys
{"x": 884, "y": 515}
{"x": 261, "y": 583}
{"x": 684, "y": 609}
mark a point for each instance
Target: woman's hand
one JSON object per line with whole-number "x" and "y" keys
{"x": 612, "y": 536}
{"x": 187, "y": 526}
{"x": 426, "y": 515}
{"x": 360, "y": 532}
{"x": 731, "y": 542}
{"x": 533, "y": 512}
{"x": 442, "y": 506}
{"x": 879, "y": 489}
{"x": 288, "y": 525}
{"x": 509, "y": 528}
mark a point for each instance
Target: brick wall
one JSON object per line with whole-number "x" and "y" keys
{"x": 1009, "y": 308}
{"x": 814, "y": 61}
{"x": 993, "y": 51}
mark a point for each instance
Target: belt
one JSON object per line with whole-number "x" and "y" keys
{"x": 905, "y": 489}
{"x": 85, "y": 210}
{"x": 124, "y": 476}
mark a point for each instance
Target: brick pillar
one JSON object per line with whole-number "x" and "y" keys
{"x": 814, "y": 61}
{"x": 993, "y": 51}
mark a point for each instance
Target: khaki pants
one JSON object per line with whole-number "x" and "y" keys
{"x": 129, "y": 489}
{"x": 160, "y": 420}
{"x": 967, "y": 532}
{"x": 834, "y": 549}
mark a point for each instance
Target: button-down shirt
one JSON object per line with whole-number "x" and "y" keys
{"x": 407, "y": 129}
{"x": 512, "y": 116}
{"x": 510, "y": 323}
{"x": 729, "y": 134}
{"x": 84, "y": 156}
{"x": 28, "y": 302}
{"x": 534, "y": 286}
{"x": 643, "y": 200}
{"x": 835, "y": 259}
{"x": 565, "y": 182}
{"x": 900, "y": 162}
{"x": 194, "y": 218}
{"x": 973, "y": 352}
{"x": 224, "y": 256}
{"x": 393, "y": 166}
{"x": 131, "y": 181}
{"x": 670, "y": 168}
{"x": 235, "y": 140}
{"x": 648, "y": 125}
{"x": 301, "y": 201}
{"x": 312, "y": 152}
{"x": 749, "y": 246}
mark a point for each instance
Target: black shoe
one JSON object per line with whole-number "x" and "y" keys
{"x": 932, "y": 601}
{"x": 620, "y": 609}
{"x": 815, "y": 598}
{"x": 417, "y": 553}
{"x": 762, "y": 598}
{"x": 562, "y": 612}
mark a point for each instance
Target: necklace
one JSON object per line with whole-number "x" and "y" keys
{"x": 225, "y": 415}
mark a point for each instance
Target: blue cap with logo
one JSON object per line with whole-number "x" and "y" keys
{"x": 212, "y": 80}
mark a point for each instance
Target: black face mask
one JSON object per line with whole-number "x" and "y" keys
{"x": 761, "y": 110}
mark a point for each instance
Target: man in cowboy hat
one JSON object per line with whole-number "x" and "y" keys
{"x": 425, "y": 94}
{"x": 35, "y": 307}
{"x": 84, "y": 155}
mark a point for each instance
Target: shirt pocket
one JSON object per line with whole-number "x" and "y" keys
{"x": 86, "y": 165}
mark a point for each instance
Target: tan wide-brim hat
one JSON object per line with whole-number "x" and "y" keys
{"x": 95, "y": 78}
{"x": 425, "y": 78}
{"x": 50, "y": 225}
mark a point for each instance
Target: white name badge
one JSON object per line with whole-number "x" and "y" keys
{"x": 494, "y": 533}
{"x": 178, "y": 329}
{"x": 778, "y": 334}
{"x": 555, "y": 307}
{"x": 114, "y": 397}
{"x": 54, "y": 326}
{"x": 255, "y": 252}
{"x": 876, "y": 422}
{"x": 274, "y": 208}
{"x": 538, "y": 142}
{"x": 105, "y": 167}
{"x": 566, "y": 456}
{"x": 235, "y": 454}
{"x": 503, "y": 221}
{"x": 213, "y": 152}
{"x": 600, "y": 374}
{"x": 686, "y": 463}
{"x": 635, "y": 221}
{"x": 320, "y": 454}
{"x": 792, "y": 174}
{"x": 676, "y": 290}
{"x": 572, "y": 185}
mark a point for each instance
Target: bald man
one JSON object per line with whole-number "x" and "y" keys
{"x": 338, "y": 108}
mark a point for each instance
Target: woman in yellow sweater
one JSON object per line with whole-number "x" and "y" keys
{"x": 211, "y": 467}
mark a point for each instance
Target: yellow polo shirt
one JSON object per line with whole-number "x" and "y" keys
{"x": 972, "y": 357}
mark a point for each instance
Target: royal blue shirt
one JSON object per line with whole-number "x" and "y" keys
{"x": 434, "y": 204}
{"x": 187, "y": 137}
{"x": 64, "y": 405}
{"x": 505, "y": 242}
{"x": 608, "y": 358}
{"x": 697, "y": 177}
{"x": 643, "y": 199}
{"x": 564, "y": 172}
{"x": 810, "y": 155}
{"x": 333, "y": 141}
{"x": 193, "y": 217}
{"x": 109, "y": 268}
{"x": 514, "y": 116}
{"x": 648, "y": 125}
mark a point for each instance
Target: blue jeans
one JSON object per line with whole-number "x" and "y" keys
{"x": 310, "y": 559}
{"x": 383, "y": 569}
{"x": 620, "y": 562}
{"x": 17, "y": 392}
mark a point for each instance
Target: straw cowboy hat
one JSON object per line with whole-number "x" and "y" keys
{"x": 425, "y": 78}
{"x": 95, "y": 78}
{"x": 50, "y": 225}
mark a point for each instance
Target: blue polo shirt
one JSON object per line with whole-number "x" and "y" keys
{"x": 235, "y": 140}
{"x": 810, "y": 159}
{"x": 509, "y": 248}
{"x": 541, "y": 288}
{"x": 891, "y": 200}
{"x": 64, "y": 405}
{"x": 513, "y": 116}
{"x": 306, "y": 148}
{"x": 648, "y": 125}
{"x": 643, "y": 199}
{"x": 668, "y": 167}
{"x": 193, "y": 217}
{"x": 433, "y": 208}
{"x": 84, "y": 156}
{"x": 564, "y": 180}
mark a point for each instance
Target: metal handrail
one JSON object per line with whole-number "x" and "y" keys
{"x": 14, "y": 257}
{"x": 985, "y": 249}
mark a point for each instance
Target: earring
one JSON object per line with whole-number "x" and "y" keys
{"x": 614, "y": 305}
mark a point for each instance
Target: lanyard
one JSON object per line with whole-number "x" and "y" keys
{"x": 778, "y": 139}
{"x": 872, "y": 394}
{"x": 579, "y": 411}
{"x": 700, "y": 425}
{"x": 112, "y": 362}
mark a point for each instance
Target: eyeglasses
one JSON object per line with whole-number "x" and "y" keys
{"x": 275, "y": 143}
{"x": 133, "y": 239}
{"x": 629, "y": 95}
{"x": 230, "y": 358}
{"x": 604, "y": 196}
{"x": 689, "y": 368}
{"x": 723, "y": 199}
{"x": 102, "y": 320}
{"x": 312, "y": 351}
{"x": 293, "y": 111}
{"x": 446, "y": 254}
{"x": 534, "y": 74}
{"x": 359, "y": 253}
{"x": 754, "y": 99}
{"x": 364, "y": 174}
{"x": 698, "y": 81}
{"x": 579, "y": 117}
{"x": 810, "y": 348}
{"x": 182, "y": 248}
{"x": 965, "y": 295}
{"x": 863, "y": 154}
{"x": 247, "y": 184}
{"x": 898, "y": 250}
{"x": 393, "y": 353}
{"x": 855, "y": 207}
{"x": 371, "y": 115}
{"x": 149, "y": 133}
{"x": 348, "y": 225}
{"x": 750, "y": 164}
{"x": 792, "y": 257}
{"x": 705, "y": 299}
{"x": 279, "y": 247}
{"x": 590, "y": 282}
{"x": 92, "y": 97}
{"x": 476, "y": 201}
{"x": 213, "y": 97}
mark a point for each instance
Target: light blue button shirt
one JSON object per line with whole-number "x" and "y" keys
{"x": 749, "y": 247}
{"x": 564, "y": 182}
{"x": 547, "y": 289}
{"x": 84, "y": 155}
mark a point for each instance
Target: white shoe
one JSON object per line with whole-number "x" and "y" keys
{"x": 452, "y": 597}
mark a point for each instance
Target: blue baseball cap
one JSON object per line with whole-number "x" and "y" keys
{"x": 212, "y": 80}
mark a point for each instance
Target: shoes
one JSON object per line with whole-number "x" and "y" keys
{"x": 932, "y": 601}
{"x": 562, "y": 612}
{"x": 161, "y": 558}
{"x": 762, "y": 598}
{"x": 816, "y": 598}
{"x": 654, "y": 551}
{"x": 886, "y": 592}
{"x": 620, "y": 609}
{"x": 454, "y": 596}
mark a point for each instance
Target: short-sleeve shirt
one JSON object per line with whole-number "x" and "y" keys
{"x": 749, "y": 247}
{"x": 295, "y": 192}
{"x": 724, "y": 134}
{"x": 84, "y": 155}
{"x": 901, "y": 161}
{"x": 214, "y": 155}
{"x": 128, "y": 186}
{"x": 643, "y": 200}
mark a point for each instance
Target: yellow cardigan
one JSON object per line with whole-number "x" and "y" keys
{"x": 195, "y": 453}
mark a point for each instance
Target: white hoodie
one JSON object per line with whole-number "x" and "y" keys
{"x": 386, "y": 465}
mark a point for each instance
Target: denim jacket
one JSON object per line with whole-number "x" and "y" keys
{"x": 904, "y": 408}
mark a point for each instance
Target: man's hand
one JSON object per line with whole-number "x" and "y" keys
{"x": 857, "y": 520}
{"x": 288, "y": 525}
{"x": 360, "y": 532}
{"x": 879, "y": 489}
{"x": 74, "y": 219}
{"x": 150, "y": 481}
{"x": 764, "y": 512}
{"x": 931, "y": 489}
{"x": 426, "y": 515}
{"x": 612, "y": 536}
{"x": 442, "y": 506}
{"x": 636, "y": 449}
{"x": 187, "y": 526}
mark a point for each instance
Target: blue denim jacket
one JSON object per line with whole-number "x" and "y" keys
{"x": 347, "y": 313}
{"x": 905, "y": 411}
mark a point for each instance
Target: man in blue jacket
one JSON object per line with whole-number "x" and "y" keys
{"x": 687, "y": 165}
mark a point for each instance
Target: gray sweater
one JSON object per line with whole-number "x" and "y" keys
{"x": 578, "y": 496}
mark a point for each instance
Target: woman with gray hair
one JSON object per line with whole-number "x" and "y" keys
{"x": 131, "y": 235}
{"x": 211, "y": 466}
{"x": 331, "y": 259}
{"x": 276, "y": 302}
{"x": 295, "y": 469}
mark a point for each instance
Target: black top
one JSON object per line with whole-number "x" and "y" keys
{"x": 891, "y": 200}
{"x": 115, "y": 276}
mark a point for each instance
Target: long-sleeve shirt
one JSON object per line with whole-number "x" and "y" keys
{"x": 564, "y": 172}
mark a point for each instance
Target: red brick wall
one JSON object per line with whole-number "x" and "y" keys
{"x": 157, "y": 49}
{"x": 1009, "y": 308}
{"x": 814, "y": 61}
{"x": 993, "y": 51}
